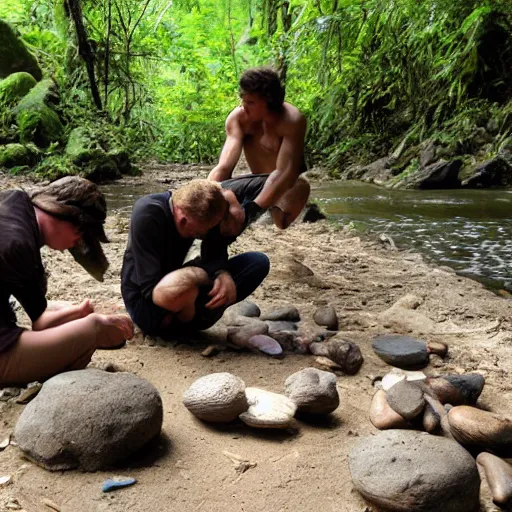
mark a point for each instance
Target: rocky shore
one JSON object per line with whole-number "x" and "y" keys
{"x": 374, "y": 289}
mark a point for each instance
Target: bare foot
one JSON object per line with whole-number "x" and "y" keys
{"x": 112, "y": 330}
{"x": 85, "y": 308}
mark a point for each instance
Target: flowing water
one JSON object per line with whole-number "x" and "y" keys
{"x": 468, "y": 230}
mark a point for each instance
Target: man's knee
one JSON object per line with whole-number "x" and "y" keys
{"x": 180, "y": 288}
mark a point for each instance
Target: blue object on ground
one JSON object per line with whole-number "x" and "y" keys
{"x": 112, "y": 485}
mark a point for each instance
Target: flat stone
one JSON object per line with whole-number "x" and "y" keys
{"x": 267, "y": 409}
{"x": 401, "y": 351}
{"x": 406, "y": 399}
{"x": 408, "y": 471}
{"x": 265, "y": 344}
{"x": 287, "y": 313}
{"x": 396, "y": 375}
{"x": 314, "y": 391}
{"x": 89, "y": 419}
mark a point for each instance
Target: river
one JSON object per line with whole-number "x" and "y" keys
{"x": 468, "y": 230}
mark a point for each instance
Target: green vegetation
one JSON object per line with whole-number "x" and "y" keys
{"x": 156, "y": 78}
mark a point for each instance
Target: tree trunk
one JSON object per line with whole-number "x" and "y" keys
{"x": 84, "y": 48}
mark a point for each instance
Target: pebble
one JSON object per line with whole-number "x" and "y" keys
{"x": 401, "y": 351}
{"x": 343, "y": 352}
{"x": 265, "y": 344}
{"x": 382, "y": 416}
{"x": 8, "y": 393}
{"x": 5, "y": 443}
{"x": 288, "y": 313}
{"x": 29, "y": 393}
{"x": 5, "y": 480}
{"x": 326, "y": 317}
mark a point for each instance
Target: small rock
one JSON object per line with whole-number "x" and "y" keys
{"x": 431, "y": 419}
{"x": 313, "y": 391}
{"x": 499, "y": 478}
{"x": 287, "y": 313}
{"x": 396, "y": 375}
{"x": 8, "y": 393}
{"x": 111, "y": 484}
{"x": 403, "y": 470}
{"x": 216, "y": 398}
{"x": 5, "y": 480}
{"x": 247, "y": 308}
{"x": 383, "y": 416}
{"x": 50, "y": 504}
{"x": 326, "y": 317}
{"x": 406, "y": 399}
{"x": 265, "y": 344}
{"x": 5, "y": 443}
{"x": 343, "y": 352}
{"x": 457, "y": 389}
{"x": 29, "y": 393}
{"x": 281, "y": 325}
{"x": 473, "y": 426}
{"x": 212, "y": 350}
{"x": 324, "y": 363}
{"x": 401, "y": 351}
{"x": 267, "y": 409}
{"x": 437, "y": 347}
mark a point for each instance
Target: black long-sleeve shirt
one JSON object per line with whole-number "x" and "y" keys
{"x": 155, "y": 248}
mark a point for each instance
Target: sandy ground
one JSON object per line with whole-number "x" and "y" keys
{"x": 306, "y": 467}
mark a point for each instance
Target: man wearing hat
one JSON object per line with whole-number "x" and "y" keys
{"x": 67, "y": 214}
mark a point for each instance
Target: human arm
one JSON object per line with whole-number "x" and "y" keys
{"x": 53, "y": 318}
{"x": 233, "y": 222}
{"x": 231, "y": 150}
{"x": 289, "y": 164}
{"x": 223, "y": 292}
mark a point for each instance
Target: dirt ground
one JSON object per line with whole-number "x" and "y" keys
{"x": 304, "y": 468}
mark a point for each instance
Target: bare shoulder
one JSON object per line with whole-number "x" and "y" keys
{"x": 293, "y": 119}
{"x": 236, "y": 120}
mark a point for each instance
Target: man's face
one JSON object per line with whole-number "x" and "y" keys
{"x": 254, "y": 106}
{"x": 62, "y": 235}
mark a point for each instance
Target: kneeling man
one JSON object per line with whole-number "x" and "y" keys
{"x": 163, "y": 294}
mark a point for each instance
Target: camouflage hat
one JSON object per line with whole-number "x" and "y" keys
{"x": 81, "y": 202}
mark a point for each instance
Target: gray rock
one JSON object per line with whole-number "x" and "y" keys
{"x": 281, "y": 325}
{"x": 406, "y": 399}
{"x": 89, "y": 419}
{"x": 401, "y": 351}
{"x": 406, "y": 471}
{"x": 495, "y": 172}
{"x": 287, "y": 313}
{"x": 247, "y": 308}
{"x": 326, "y": 317}
{"x": 314, "y": 391}
{"x": 440, "y": 175}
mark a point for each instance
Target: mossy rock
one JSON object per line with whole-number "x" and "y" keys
{"x": 14, "y": 56}
{"x": 15, "y": 155}
{"x": 15, "y": 87}
{"x": 55, "y": 167}
{"x": 35, "y": 117}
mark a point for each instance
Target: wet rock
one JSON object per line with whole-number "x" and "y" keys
{"x": 89, "y": 419}
{"x": 457, "y": 389}
{"x": 496, "y": 172}
{"x": 343, "y": 352}
{"x": 383, "y": 416}
{"x": 401, "y": 351}
{"x": 15, "y": 55}
{"x": 498, "y": 474}
{"x": 396, "y": 375}
{"x": 440, "y": 175}
{"x": 287, "y": 313}
{"x": 240, "y": 335}
{"x": 265, "y": 344}
{"x": 473, "y": 426}
{"x": 313, "y": 213}
{"x": 326, "y": 317}
{"x": 407, "y": 471}
{"x": 267, "y": 409}
{"x": 216, "y": 398}
{"x": 313, "y": 391}
{"x": 406, "y": 399}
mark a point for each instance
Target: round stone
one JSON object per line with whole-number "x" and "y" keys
{"x": 401, "y": 351}
{"x": 89, "y": 419}
{"x": 407, "y": 471}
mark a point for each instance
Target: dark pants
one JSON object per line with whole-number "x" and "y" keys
{"x": 248, "y": 271}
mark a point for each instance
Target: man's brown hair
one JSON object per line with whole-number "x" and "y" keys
{"x": 200, "y": 199}
{"x": 266, "y": 83}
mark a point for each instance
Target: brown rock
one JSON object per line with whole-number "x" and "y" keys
{"x": 499, "y": 478}
{"x": 383, "y": 416}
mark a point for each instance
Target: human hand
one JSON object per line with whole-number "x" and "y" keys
{"x": 233, "y": 222}
{"x": 223, "y": 292}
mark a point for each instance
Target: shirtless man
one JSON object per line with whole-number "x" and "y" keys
{"x": 271, "y": 134}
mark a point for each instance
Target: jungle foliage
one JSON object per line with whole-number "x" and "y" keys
{"x": 369, "y": 74}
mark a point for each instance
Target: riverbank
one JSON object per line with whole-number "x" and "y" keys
{"x": 311, "y": 264}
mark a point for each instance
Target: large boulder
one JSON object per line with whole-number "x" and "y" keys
{"x": 496, "y": 172}
{"x": 14, "y": 56}
{"x": 441, "y": 175}
{"x": 35, "y": 117}
{"x": 89, "y": 419}
{"x": 406, "y": 471}
{"x": 14, "y": 87}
